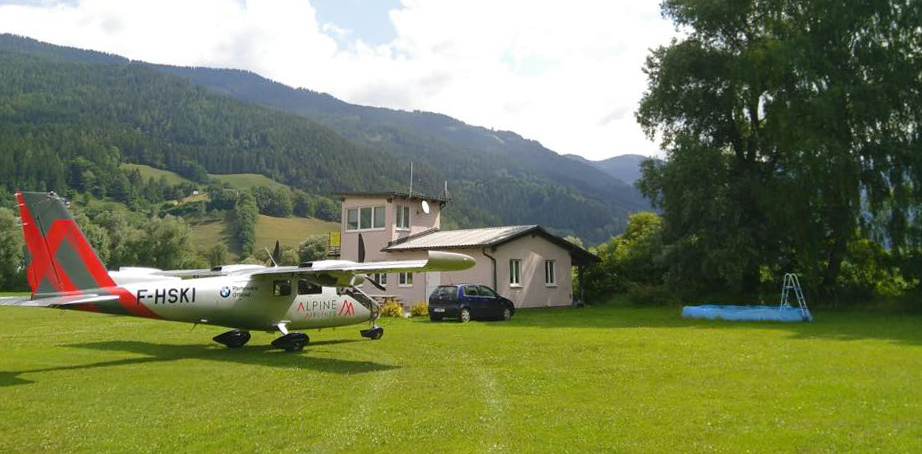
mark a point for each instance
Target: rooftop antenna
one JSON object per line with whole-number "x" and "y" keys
{"x": 445, "y": 194}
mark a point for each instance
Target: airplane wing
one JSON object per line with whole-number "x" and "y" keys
{"x": 341, "y": 272}
{"x": 186, "y": 274}
{"x": 225, "y": 270}
{"x": 57, "y": 301}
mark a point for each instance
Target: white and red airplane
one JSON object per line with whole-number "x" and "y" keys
{"x": 64, "y": 272}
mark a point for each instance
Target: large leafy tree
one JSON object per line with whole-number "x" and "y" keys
{"x": 784, "y": 122}
{"x": 10, "y": 251}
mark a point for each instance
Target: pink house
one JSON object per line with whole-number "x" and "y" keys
{"x": 526, "y": 263}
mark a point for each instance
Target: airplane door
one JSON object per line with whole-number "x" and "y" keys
{"x": 433, "y": 280}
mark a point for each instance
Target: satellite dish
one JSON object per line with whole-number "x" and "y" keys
{"x": 425, "y": 207}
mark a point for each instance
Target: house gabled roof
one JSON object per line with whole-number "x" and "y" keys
{"x": 483, "y": 238}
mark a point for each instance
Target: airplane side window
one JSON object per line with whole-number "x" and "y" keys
{"x": 305, "y": 287}
{"x": 281, "y": 288}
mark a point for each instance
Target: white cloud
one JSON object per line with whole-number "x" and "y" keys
{"x": 565, "y": 73}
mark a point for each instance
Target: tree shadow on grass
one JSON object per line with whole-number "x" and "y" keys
{"x": 262, "y": 355}
{"x": 832, "y": 325}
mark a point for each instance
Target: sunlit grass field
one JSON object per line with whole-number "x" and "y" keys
{"x": 602, "y": 379}
{"x": 210, "y": 230}
{"x": 152, "y": 172}
{"x": 237, "y": 180}
{"x": 249, "y": 181}
{"x": 289, "y": 231}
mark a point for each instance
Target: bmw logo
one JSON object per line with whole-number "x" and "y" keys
{"x": 225, "y": 292}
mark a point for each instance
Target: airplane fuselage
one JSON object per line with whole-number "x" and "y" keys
{"x": 249, "y": 304}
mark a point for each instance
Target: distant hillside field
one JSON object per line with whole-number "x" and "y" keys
{"x": 291, "y": 232}
{"x": 249, "y": 181}
{"x": 210, "y": 231}
{"x": 151, "y": 172}
{"x": 242, "y": 181}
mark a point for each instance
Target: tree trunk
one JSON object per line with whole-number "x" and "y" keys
{"x": 751, "y": 279}
{"x": 834, "y": 264}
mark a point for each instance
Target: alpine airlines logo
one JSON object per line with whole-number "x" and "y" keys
{"x": 347, "y": 308}
{"x": 225, "y": 292}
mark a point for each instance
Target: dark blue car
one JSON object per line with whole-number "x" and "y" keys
{"x": 468, "y": 301}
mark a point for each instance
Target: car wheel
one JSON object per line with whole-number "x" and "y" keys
{"x": 465, "y": 315}
{"x": 507, "y": 314}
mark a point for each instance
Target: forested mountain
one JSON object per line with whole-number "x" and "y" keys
{"x": 625, "y": 167}
{"x": 59, "y": 103}
{"x": 441, "y": 141}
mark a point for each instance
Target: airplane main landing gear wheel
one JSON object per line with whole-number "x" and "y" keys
{"x": 291, "y": 342}
{"x": 374, "y": 333}
{"x": 233, "y": 339}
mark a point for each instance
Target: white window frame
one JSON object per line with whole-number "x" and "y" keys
{"x": 372, "y": 213}
{"x": 378, "y": 217}
{"x": 402, "y": 217}
{"x": 349, "y": 214}
{"x": 515, "y": 272}
{"x": 381, "y": 278}
{"x": 550, "y": 273}
{"x": 405, "y": 280}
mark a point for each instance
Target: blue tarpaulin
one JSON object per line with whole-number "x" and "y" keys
{"x": 755, "y": 313}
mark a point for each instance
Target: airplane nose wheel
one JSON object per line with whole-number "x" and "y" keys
{"x": 291, "y": 342}
{"x": 233, "y": 339}
{"x": 373, "y": 333}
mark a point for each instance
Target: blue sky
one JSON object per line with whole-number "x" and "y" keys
{"x": 567, "y": 73}
{"x": 366, "y": 19}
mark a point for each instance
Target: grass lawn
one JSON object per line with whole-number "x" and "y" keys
{"x": 564, "y": 380}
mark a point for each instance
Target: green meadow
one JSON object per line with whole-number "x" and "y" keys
{"x": 249, "y": 181}
{"x": 155, "y": 173}
{"x": 601, "y": 379}
{"x": 210, "y": 230}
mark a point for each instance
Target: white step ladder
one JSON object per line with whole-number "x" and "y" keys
{"x": 791, "y": 282}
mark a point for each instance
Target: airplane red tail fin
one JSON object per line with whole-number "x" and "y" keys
{"x": 58, "y": 256}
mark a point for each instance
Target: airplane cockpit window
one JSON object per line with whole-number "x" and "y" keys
{"x": 281, "y": 288}
{"x": 306, "y": 287}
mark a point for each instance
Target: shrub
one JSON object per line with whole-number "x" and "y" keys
{"x": 650, "y": 295}
{"x": 420, "y": 308}
{"x": 391, "y": 309}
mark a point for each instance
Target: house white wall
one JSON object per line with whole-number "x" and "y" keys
{"x": 532, "y": 251}
{"x": 375, "y": 239}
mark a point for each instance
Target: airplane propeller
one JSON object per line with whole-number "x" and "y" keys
{"x": 361, "y": 249}
{"x": 375, "y": 283}
{"x": 275, "y": 255}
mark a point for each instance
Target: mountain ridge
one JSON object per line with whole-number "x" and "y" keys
{"x": 497, "y": 176}
{"x": 624, "y": 167}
